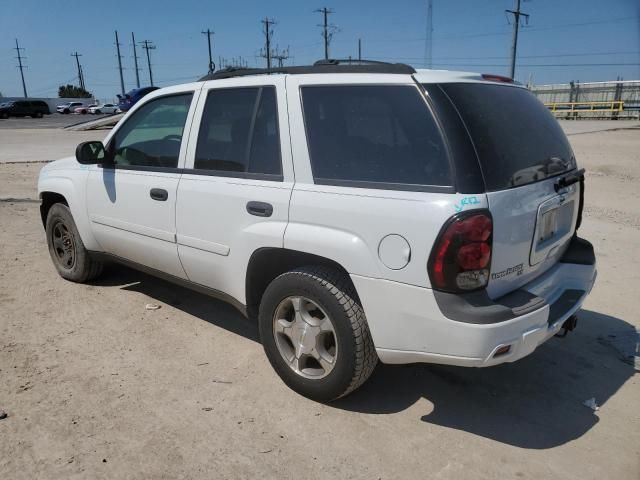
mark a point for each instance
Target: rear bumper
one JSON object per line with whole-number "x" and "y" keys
{"x": 411, "y": 324}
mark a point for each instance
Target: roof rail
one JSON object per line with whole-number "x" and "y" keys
{"x": 322, "y": 66}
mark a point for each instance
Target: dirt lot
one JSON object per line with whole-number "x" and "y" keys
{"x": 95, "y": 386}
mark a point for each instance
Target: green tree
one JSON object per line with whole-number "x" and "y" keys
{"x": 71, "y": 91}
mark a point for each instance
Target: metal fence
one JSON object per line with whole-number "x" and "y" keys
{"x": 616, "y": 99}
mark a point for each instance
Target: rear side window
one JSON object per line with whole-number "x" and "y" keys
{"x": 518, "y": 141}
{"x": 379, "y": 136}
{"x": 239, "y": 132}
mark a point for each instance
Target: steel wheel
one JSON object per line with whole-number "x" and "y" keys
{"x": 64, "y": 245}
{"x": 305, "y": 337}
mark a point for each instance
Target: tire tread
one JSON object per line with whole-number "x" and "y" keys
{"x": 339, "y": 285}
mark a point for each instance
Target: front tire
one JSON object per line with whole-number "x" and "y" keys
{"x": 71, "y": 259}
{"x": 315, "y": 333}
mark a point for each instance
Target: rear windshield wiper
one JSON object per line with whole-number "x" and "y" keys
{"x": 569, "y": 179}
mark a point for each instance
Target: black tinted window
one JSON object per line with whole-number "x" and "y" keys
{"x": 151, "y": 137}
{"x": 517, "y": 139}
{"x": 373, "y": 134}
{"x": 239, "y": 132}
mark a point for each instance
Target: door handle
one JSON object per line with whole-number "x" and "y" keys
{"x": 260, "y": 209}
{"x": 159, "y": 194}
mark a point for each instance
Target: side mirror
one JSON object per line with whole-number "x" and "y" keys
{"x": 91, "y": 153}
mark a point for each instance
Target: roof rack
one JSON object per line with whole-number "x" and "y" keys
{"x": 321, "y": 66}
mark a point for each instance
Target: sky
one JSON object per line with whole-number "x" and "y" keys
{"x": 579, "y": 40}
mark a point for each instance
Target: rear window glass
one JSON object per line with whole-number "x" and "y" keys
{"x": 379, "y": 136}
{"x": 517, "y": 139}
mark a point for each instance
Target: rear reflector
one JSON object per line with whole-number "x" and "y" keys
{"x": 502, "y": 350}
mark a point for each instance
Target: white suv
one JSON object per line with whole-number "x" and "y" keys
{"x": 68, "y": 107}
{"x": 360, "y": 212}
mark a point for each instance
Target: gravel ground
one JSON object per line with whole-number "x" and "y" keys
{"x": 95, "y": 386}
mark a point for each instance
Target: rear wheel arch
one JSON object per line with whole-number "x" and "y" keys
{"x": 266, "y": 264}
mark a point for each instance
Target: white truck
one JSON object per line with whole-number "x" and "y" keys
{"x": 359, "y": 212}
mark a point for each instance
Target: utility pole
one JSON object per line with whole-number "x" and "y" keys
{"x": 327, "y": 29}
{"x": 135, "y": 60}
{"x": 80, "y": 79}
{"x": 359, "y": 49}
{"x": 148, "y": 45}
{"x": 516, "y": 26}
{"x": 268, "y": 32}
{"x": 21, "y": 67}
{"x": 120, "y": 64}
{"x": 428, "y": 41}
{"x": 212, "y": 66}
{"x": 280, "y": 56}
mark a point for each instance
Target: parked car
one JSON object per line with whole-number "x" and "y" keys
{"x": 394, "y": 215}
{"x": 84, "y": 109}
{"x": 131, "y": 98}
{"x": 108, "y": 108}
{"x": 68, "y": 107}
{"x": 24, "y": 108}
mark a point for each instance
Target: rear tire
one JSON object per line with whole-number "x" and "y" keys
{"x": 315, "y": 333}
{"x": 97, "y": 112}
{"x": 71, "y": 259}
{"x": 38, "y": 115}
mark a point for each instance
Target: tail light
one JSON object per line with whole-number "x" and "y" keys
{"x": 461, "y": 257}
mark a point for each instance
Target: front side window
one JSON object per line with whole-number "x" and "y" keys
{"x": 239, "y": 132}
{"x": 151, "y": 137}
{"x": 378, "y": 136}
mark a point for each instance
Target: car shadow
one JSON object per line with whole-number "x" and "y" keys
{"x": 211, "y": 310}
{"x": 535, "y": 403}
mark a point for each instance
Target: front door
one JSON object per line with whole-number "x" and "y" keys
{"x": 131, "y": 202}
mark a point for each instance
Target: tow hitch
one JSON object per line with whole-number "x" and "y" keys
{"x": 568, "y": 326}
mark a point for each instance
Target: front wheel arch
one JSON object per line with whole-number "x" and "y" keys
{"x": 48, "y": 200}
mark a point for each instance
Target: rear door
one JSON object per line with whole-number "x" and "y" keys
{"x": 523, "y": 154}
{"x": 234, "y": 193}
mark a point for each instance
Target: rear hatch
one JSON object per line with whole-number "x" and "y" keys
{"x": 526, "y": 162}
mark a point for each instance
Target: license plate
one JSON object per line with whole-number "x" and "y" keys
{"x": 549, "y": 225}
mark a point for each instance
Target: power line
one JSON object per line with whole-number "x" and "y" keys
{"x": 268, "y": 32}
{"x": 135, "y": 60}
{"x": 119, "y": 64}
{"x": 516, "y": 26}
{"x": 148, "y": 45}
{"x": 328, "y": 30}
{"x": 507, "y": 57}
{"x": 21, "y": 67}
{"x": 212, "y": 66}
{"x": 503, "y": 32}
